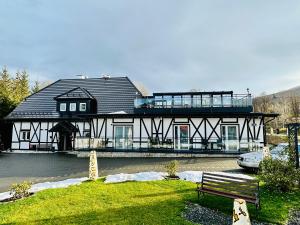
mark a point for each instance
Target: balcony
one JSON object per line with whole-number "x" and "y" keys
{"x": 194, "y": 102}
{"x": 145, "y": 144}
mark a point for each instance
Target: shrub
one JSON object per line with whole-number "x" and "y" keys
{"x": 278, "y": 174}
{"x": 171, "y": 168}
{"x": 20, "y": 190}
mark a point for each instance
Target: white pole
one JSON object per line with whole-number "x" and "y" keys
{"x": 93, "y": 170}
{"x": 266, "y": 152}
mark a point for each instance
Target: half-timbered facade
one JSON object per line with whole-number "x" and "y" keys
{"x": 111, "y": 114}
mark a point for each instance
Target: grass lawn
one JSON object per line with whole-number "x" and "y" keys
{"x": 156, "y": 202}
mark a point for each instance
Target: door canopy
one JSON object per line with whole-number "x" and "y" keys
{"x": 64, "y": 127}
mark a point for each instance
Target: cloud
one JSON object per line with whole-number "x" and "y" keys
{"x": 167, "y": 45}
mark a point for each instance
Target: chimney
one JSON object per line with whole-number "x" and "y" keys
{"x": 81, "y": 76}
{"x": 106, "y": 76}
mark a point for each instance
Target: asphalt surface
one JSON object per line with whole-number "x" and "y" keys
{"x": 17, "y": 167}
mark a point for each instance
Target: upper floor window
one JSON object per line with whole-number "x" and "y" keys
{"x": 82, "y": 107}
{"x": 25, "y": 135}
{"x": 62, "y": 107}
{"x": 72, "y": 107}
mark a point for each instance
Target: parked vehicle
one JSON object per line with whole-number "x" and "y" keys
{"x": 251, "y": 160}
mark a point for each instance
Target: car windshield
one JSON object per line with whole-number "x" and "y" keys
{"x": 280, "y": 148}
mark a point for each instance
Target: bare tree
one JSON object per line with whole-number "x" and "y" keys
{"x": 262, "y": 104}
{"x": 295, "y": 106}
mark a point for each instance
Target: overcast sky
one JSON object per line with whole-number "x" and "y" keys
{"x": 166, "y": 45}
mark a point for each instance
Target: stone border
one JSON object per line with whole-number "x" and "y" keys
{"x": 154, "y": 155}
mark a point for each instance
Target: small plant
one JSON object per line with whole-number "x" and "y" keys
{"x": 20, "y": 190}
{"x": 171, "y": 168}
{"x": 278, "y": 174}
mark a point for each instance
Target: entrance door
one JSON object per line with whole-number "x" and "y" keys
{"x": 65, "y": 141}
{"x": 181, "y": 137}
{"x": 123, "y": 137}
{"x": 230, "y": 137}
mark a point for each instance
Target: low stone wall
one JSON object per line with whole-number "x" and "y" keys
{"x": 154, "y": 155}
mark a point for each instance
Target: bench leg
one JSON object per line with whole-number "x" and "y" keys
{"x": 198, "y": 195}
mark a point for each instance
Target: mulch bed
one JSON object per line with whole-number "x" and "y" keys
{"x": 205, "y": 216}
{"x": 294, "y": 217}
{"x": 172, "y": 177}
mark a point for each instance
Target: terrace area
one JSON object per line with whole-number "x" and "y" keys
{"x": 189, "y": 102}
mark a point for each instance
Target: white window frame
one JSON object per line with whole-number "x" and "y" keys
{"x": 231, "y": 145}
{"x": 25, "y": 137}
{"x": 63, "y": 109}
{"x": 80, "y": 107}
{"x": 70, "y": 108}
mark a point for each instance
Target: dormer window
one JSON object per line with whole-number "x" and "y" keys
{"x": 76, "y": 101}
{"x": 62, "y": 107}
{"x": 72, "y": 107}
{"x": 82, "y": 107}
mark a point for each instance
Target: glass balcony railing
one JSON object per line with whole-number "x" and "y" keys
{"x": 196, "y": 101}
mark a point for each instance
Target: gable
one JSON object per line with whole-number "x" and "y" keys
{"x": 75, "y": 93}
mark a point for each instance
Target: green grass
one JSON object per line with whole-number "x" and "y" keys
{"x": 157, "y": 202}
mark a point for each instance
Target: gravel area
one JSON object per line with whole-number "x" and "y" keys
{"x": 294, "y": 218}
{"x": 205, "y": 216}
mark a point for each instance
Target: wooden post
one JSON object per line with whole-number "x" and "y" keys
{"x": 93, "y": 170}
{"x": 240, "y": 213}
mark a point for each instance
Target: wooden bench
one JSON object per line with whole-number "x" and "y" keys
{"x": 230, "y": 187}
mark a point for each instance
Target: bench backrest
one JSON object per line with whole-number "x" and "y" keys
{"x": 243, "y": 187}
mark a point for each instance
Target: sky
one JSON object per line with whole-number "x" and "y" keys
{"x": 167, "y": 45}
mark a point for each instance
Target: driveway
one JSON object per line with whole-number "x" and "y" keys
{"x": 51, "y": 167}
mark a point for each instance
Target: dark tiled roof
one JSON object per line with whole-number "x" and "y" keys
{"x": 112, "y": 94}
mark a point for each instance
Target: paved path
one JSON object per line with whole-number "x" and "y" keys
{"x": 50, "y": 167}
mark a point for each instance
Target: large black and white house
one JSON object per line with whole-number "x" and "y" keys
{"x": 111, "y": 114}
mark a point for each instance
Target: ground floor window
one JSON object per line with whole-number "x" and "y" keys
{"x": 230, "y": 137}
{"x": 123, "y": 137}
{"x": 181, "y": 137}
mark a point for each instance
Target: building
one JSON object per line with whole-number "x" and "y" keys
{"x": 111, "y": 114}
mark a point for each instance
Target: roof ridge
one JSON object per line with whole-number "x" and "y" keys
{"x": 90, "y": 78}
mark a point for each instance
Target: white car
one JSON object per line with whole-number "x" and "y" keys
{"x": 251, "y": 160}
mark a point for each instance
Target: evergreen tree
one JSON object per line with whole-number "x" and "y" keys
{"x": 6, "y": 103}
{"x": 24, "y": 85}
{"x": 12, "y": 90}
{"x": 21, "y": 87}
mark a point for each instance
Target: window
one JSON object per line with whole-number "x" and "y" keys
{"x": 62, "y": 107}
{"x": 230, "y": 137}
{"x": 72, "y": 107}
{"x": 123, "y": 137}
{"x": 25, "y": 135}
{"x": 82, "y": 107}
{"x": 217, "y": 100}
{"x": 206, "y": 100}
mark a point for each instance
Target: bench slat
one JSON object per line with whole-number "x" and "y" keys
{"x": 227, "y": 176}
{"x": 226, "y": 180}
{"x": 230, "y": 184}
{"x": 233, "y": 196}
{"x": 230, "y": 187}
{"x": 230, "y": 178}
{"x": 229, "y": 190}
